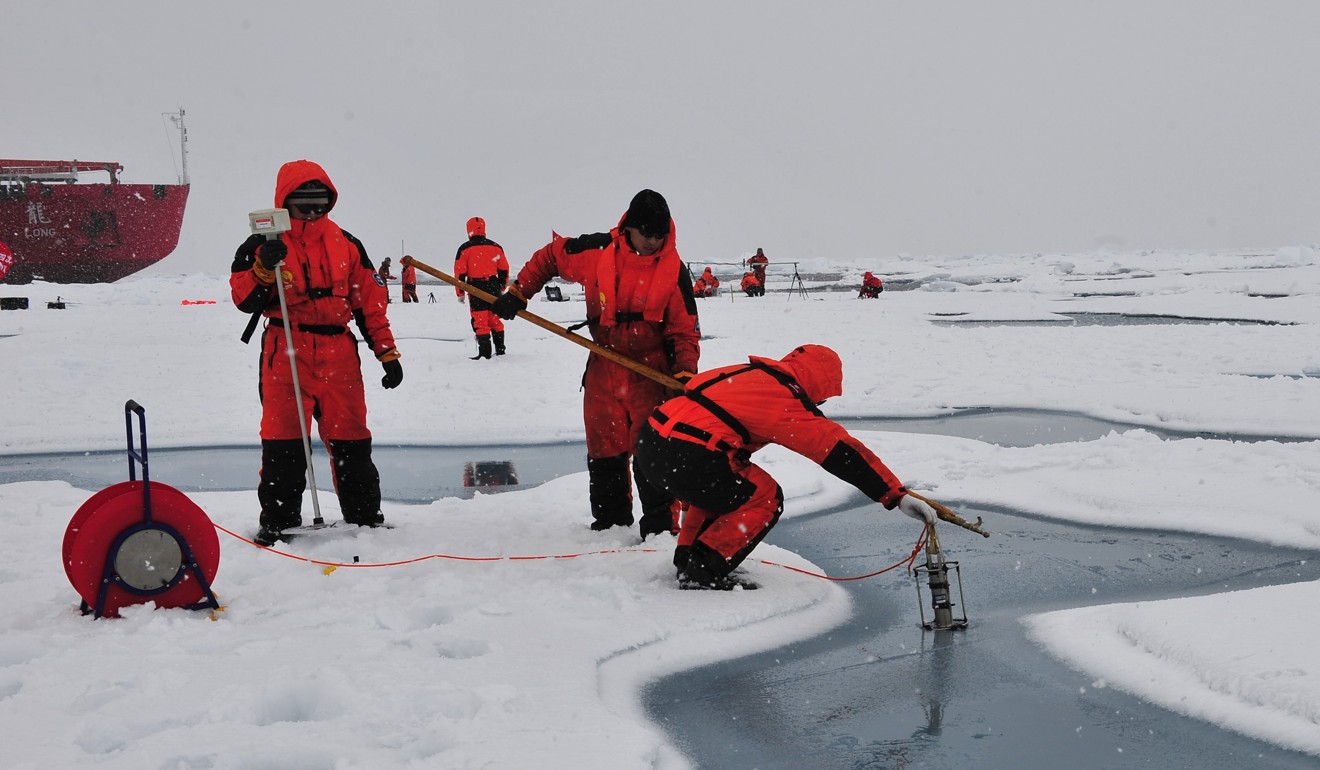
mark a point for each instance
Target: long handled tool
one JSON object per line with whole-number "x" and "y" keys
{"x": 271, "y": 223}
{"x": 550, "y": 326}
{"x": 946, "y": 514}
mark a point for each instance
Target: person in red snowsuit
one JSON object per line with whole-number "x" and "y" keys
{"x": 752, "y": 286}
{"x": 871, "y": 286}
{"x": 481, "y": 262}
{"x": 706, "y": 285}
{"x": 698, "y": 447}
{"x": 328, "y": 281}
{"x": 757, "y": 262}
{"x": 385, "y": 275}
{"x": 639, "y": 304}
{"x": 409, "y": 279}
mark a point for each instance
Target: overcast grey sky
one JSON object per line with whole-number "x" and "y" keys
{"x": 811, "y": 130}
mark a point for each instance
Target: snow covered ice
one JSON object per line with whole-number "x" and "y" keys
{"x": 513, "y": 663}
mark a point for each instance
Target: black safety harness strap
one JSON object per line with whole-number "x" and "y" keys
{"x": 720, "y": 412}
{"x": 328, "y": 330}
{"x": 619, "y": 318}
{"x": 695, "y": 393}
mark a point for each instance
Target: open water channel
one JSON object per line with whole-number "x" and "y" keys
{"x": 879, "y": 691}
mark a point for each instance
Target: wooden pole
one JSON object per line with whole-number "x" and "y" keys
{"x": 946, "y": 514}
{"x": 550, "y": 326}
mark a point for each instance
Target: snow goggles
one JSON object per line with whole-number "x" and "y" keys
{"x": 310, "y": 209}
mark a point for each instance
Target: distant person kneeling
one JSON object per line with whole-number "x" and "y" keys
{"x": 753, "y": 286}
{"x": 871, "y": 286}
{"x": 707, "y": 285}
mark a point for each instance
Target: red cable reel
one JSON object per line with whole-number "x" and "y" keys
{"x": 140, "y": 541}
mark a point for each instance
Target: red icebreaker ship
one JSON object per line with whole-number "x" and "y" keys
{"x": 63, "y": 229}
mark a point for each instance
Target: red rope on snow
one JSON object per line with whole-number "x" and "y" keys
{"x": 921, "y": 544}
{"x": 916, "y": 550}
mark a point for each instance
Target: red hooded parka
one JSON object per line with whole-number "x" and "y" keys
{"x": 641, "y": 307}
{"x": 638, "y": 306}
{"x": 328, "y": 281}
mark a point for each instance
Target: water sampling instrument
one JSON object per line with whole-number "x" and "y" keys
{"x": 936, "y": 569}
{"x": 140, "y": 541}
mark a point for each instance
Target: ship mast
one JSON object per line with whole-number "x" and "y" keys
{"x": 177, "y": 119}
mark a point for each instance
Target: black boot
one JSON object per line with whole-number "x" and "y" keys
{"x": 268, "y": 536}
{"x": 703, "y": 569}
{"x": 483, "y": 347}
{"x": 658, "y": 521}
{"x": 498, "y": 338}
{"x": 357, "y": 482}
{"x": 280, "y": 491}
{"x": 610, "y": 491}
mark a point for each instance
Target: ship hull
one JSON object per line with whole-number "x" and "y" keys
{"x": 88, "y": 233}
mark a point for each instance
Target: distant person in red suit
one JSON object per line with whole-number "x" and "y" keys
{"x": 753, "y": 286}
{"x": 385, "y": 275}
{"x": 409, "y": 277}
{"x": 757, "y": 263}
{"x": 871, "y": 286}
{"x": 481, "y": 262}
{"x": 707, "y": 285}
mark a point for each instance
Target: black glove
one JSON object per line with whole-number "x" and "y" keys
{"x": 682, "y": 376}
{"x": 507, "y": 305}
{"x": 271, "y": 253}
{"x": 393, "y": 374}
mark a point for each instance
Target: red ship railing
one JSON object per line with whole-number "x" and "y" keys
{"x": 54, "y": 170}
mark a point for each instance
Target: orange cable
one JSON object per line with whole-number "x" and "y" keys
{"x": 921, "y": 543}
